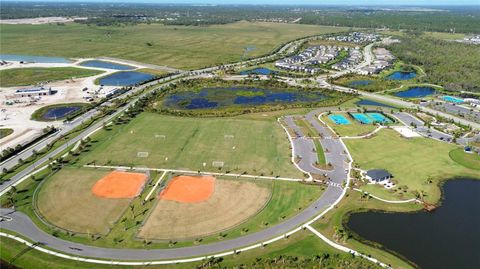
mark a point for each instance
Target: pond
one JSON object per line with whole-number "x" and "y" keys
{"x": 222, "y": 97}
{"x": 106, "y": 65}
{"x": 59, "y": 112}
{"x": 33, "y": 59}
{"x": 366, "y": 102}
{"x": 416, "y": 92}
{"x": 401, "y": 75}
{"x": 448, "y": 237}
{"x": 127, "y": 78}
{"x": 258, "y": 71}
{"x": 359, "y": 83}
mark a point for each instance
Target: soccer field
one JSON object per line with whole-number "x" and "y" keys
{"x": 184, "y": 47}
{"x": 157, "y": 141}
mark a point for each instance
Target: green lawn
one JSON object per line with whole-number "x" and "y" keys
{"x": 355, "y": 128}
{"x": 183, "y": 47}
{"x": 4, "y": 132}
{"x": 469, "y": 160}
{"x": 33, "y": 75}
{"x": 417, "y": 164}
{"x": 303, "y": 245}
{"x": 253, "y": 146}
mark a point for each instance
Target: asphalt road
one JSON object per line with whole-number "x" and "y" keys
{"x": 22, "y": 224}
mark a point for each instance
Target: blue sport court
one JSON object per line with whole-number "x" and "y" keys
{"x": 339, "y": 119}
{"x": 452, "y": 99}
{"x": 379, "y": 117}
{"x": 362, "y": 118}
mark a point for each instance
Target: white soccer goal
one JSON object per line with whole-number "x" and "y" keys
{"x": 228, "y": 136}
{"x": 218, "y": 164}
{"x": 142, "y": 154}
{"x": 160, "y": 136}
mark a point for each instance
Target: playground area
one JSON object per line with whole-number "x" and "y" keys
{"x": 180, "y": 216}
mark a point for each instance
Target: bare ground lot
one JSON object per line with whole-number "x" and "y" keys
{"x": 66, "y": 200}
{"x": 231, "y": 203}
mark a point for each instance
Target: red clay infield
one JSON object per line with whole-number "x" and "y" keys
{"x": 119, "y": 185}
{"x": 189, "y": 189}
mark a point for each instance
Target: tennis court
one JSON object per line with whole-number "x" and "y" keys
{"x": 338, "y": 119}
{"x": 379, "y": 117}
{"x": 452, "y": 99}
{"x": 362, "y": 118}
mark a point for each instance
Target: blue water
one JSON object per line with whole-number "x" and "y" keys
{"x": 59, "y": 112}
{"x": 366, "y": 102}
{"x": 416, "y": 92}
{"x": 378, "y": 117}
{"x": 33, "y": 59}
{"x": 258, "y": 71}
{"x": 339, "y": 119}
{"x": 221, "y": 97}
{"x": 126, "y": 78}
{"x": 399, "y": 75}
{"x": 357, "y": 83}
{"x": 452, "y": 99}
{"x": 362, "y": 118}
{"x": 107, "y": 65}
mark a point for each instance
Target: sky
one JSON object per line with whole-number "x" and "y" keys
{"x": 294, "y": 2}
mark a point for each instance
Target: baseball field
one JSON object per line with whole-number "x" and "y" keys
{"x": 255, "y": 147}
{"x": 86, "y": 200}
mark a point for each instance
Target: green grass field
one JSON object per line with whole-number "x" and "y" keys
{"x": 413, "y": 163}
{"x": 33, "y": 75}
{"x": 4, "y": 132}
{"x": 469, "y": 160}
{"x": 355, "y": 128}
{"x": 253, "y": 146}
{"x": 183, "y": 47}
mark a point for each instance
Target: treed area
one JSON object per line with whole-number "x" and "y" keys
{"x": 454, "y": 65}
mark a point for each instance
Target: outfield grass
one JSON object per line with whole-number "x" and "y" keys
{"x": 183, "y": 47}
{"x": 469, "y": 160}
{"x": 417, "y": 164}
{"x": 33, "y": 75}
{"x": 355, "y": 128}
{"x": 4, "y": 132}
{"x": 257, "y": 146}
{"x": 66, "y": 200}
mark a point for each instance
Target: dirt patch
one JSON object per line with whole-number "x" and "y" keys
{"x": 189, "y": 189}
{"x": 231, "y": 203}
{"x": 119, "y": 185}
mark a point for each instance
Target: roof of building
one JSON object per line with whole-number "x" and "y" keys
{"x": 376, "y": 174}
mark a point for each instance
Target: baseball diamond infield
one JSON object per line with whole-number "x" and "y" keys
{"x": 231, "y": 203}
{"x": 119, "y": 184}
{"x": 189, "y": 189}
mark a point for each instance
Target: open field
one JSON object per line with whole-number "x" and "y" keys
{"x": 231, "y": 203}
{"x": 182, "y": 47}
{"x": 33, "y": 75}
{"x": 469, "y": 160}
{"x": 355, "y": 128}
{"x": 417, "y": 164}
{"x": 67, "y": 201}
{"x": 252, "y": 146}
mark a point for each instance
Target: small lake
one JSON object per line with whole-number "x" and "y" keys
{"x": 258, "y": 71}
{"x": 106, "y": 65}
{"x": 366, "y": 102}
{"x": 222, "y": 97}
{"x": 359, "y": 83}
{"x": 56, "y": 113}
{"x": 33, "y": 59}
{"x": 416, "y": 92}
{"x": 127, "y": 78}
{"x": 400, "y": 75}
{"x": 448, "y": 237}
